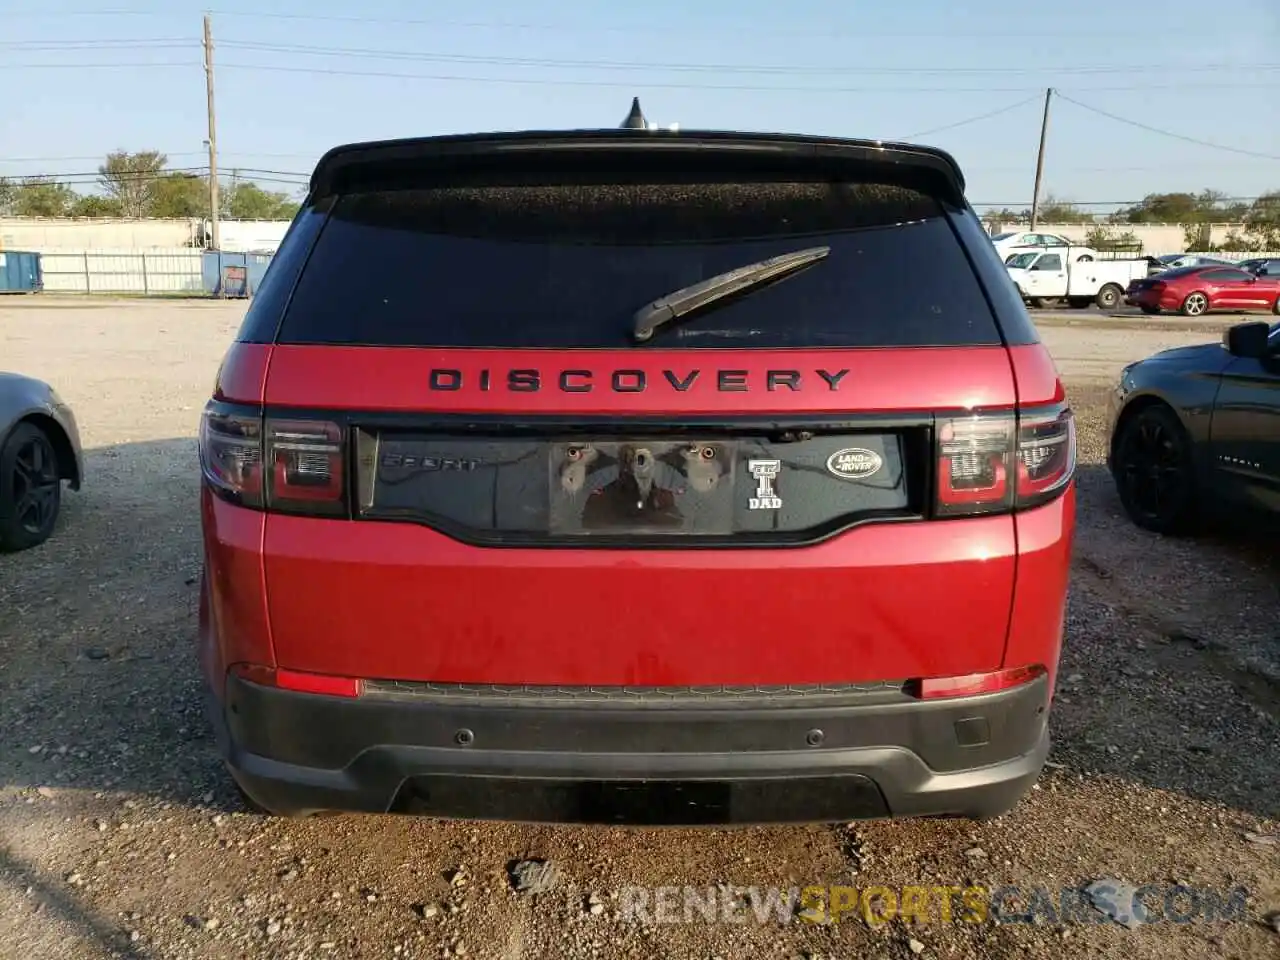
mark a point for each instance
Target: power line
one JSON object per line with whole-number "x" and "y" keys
{"x": 96, "y": 156}
{"x": 162, "y": 172}
{"x": 95, "y": 43}
{"x": 1169, "y": 133}
{"x": 981, "y": 116}
{"x": 129, "y": 65}
{"x": 859, "y": 32}
{"x": 1095, "y": 203}
{"x": 630, "y": 84}
{"x": 705, "y": 67}
{"x": 96, "y": 179}
{"x": 279, "y": 173}
{"x": 123, "y": 175}
{"x": 168, "y": 153}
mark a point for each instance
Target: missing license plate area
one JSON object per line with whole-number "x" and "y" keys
{"x": 524, "y": 488}
{"x": 644, "y": 802}
{"x": 642, "y": 486}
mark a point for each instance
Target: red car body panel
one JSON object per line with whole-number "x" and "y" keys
{"x": 234, "y": 626}
{"x": 242, "y": 377}
{"x": 402, "y": 601}
{"x": 1045, "y": 537}
{"x": 869, "y": 380}
{"x": 1035, "y": 375}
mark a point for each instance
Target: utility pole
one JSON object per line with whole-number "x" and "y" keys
{"x": 1044, "y": 133}
{"x": 213, "y": 138}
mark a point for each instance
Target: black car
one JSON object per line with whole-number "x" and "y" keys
{"x": 1198, "y": 426}
{"x": 1270, "y": 266}
{"x": 1172, "y": 261}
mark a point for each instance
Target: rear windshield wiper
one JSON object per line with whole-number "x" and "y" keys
{"x": 687, "y": 299}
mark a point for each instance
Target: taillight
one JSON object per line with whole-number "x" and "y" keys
{"x": 304, "y": 466}
{"x": 231, "y": 455}
{"x": 989, "y": 464}
{"x": 975, "y": 459}
{"x": 1158, "y": 286}
{"x": 1046, "y": 454}
{"x": 288, "y": 465}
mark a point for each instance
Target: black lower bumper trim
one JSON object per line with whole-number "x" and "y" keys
{"x": 298, "y": 753}
{"x": 649, "y": 803}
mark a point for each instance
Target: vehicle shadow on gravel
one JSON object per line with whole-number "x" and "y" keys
{"x": 53, "y": 899}
{"x": 99, "y": 685}
{"x": 1170, "y": 672}
{"x": 99, "y": 689}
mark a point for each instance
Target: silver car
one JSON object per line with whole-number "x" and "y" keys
{"x": 39, "y": 450}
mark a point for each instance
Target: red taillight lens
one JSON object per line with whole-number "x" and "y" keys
{"x": 291, "y": 466}
{"x": 231, "y": 455}
{"x": 321, "y": 683}
{"x": 989, "y": 464}
{"x": 1158, "y": 286}
{"x": 1046, "y": 454}
{"x": 305, "y": 463}
{"x": 935, "y": 688}
{"x": 974, "y": 460}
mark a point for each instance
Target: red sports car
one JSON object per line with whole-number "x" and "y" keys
{"x": 1193, "y": 291}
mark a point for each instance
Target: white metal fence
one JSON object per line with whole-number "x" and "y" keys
{"x": 174, "y": 270}
{"x": 1233, "y": 257}
{"x": 179, "y": 270}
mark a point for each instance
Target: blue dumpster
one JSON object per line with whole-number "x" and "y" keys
{"x": 228, "y": 274}
{"x": 214, "y": 268}
{"x": 257, "y": 263}
{"x": 20, "y": 272}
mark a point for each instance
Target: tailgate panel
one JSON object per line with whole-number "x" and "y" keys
{"x": 402, "y": 601}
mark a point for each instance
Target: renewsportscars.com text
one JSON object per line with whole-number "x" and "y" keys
{"x": 1150, "y": 903}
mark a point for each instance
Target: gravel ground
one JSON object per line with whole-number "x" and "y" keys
{"x": 121, "y": 838}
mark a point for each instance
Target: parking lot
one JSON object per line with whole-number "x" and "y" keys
{"x": 121, "y": 837}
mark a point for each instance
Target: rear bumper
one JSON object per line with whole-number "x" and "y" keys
{"x": 874, "y": 754}
{"x": 1151, "y": 298}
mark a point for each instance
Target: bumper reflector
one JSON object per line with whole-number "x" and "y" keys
{"x": 934, "y": 688}
{"x": 299, "y": 682}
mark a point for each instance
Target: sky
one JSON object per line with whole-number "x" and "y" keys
{"x": 295, "y": 78}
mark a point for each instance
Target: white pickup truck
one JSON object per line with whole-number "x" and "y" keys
{"x": 1045, "y": 276}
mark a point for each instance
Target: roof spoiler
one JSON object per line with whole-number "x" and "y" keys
{"x": 476, "y": 156}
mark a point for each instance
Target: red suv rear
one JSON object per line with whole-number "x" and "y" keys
{"x": 635, "y": 476}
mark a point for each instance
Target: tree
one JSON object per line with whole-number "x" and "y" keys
{"x": 1197, "y": 235}
{"x": 1053, "y": 210}
{"x": 130, "y": 178}
{"x": 996, "y": 218}
{"x": 91, "y": 205}
{"x": 1208, "y": 206}
{"x": 1261, "y": 225}
{"x": 180, "y": 195}
{"x": 1164, "y": 208}
{"x": 248, "y": 201}
{"x": 42, "y": 197}
{"x": 1102, "y": 237}
{"x": 7, "y": 194}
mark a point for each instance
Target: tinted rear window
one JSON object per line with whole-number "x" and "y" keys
{"x": 568, "y": 265}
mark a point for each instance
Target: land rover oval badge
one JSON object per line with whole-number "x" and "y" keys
{"x": 854, "y": 463}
